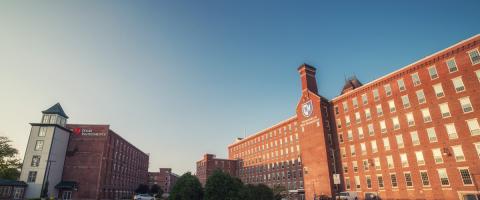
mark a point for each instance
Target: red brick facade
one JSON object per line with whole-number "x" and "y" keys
{"x": 412, "y": 134}
{"x": 209, "y": 164}
{"x": 165, "y": 178}
{"x": 103, "y": 164}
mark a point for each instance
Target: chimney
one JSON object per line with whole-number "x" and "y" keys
{"x": 307, "y": 75}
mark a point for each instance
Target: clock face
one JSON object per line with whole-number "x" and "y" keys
{"x": 307, "y": 108}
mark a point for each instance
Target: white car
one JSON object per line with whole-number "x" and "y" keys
{"x": 347, "y": 196}
{"x": 143, "y": 197}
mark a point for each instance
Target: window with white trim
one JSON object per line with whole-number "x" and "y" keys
{"x": 432, "y": 71}
{"x": 420, "y": 96}
{"x": 391, "y": 105}
{"x": 355, "y": 166}
{"x": 376, "y": 95}
{"x": 466, "y": 105}
{"x": 339, "y": 123}
{"x": 410, "y": 119}
{"x": 438, "y": 90}
{"x": 349, "y": 135}
{"x": 452, "y": 65}
{"x": 374, "y": 146}
{"x": 363, "y": 148}
{"x": 365, "y": 165}
{"x": 39, "y": 145}
{"x": 370, "y": 130}
{"x": 442, "y": 173}
{"x": 477, "y": 147}
{"x": 416, "y": 79}
{"x": 352, "y": 150}
{"x": 383, "y": 126}
{"x": 379, "y": 110}
{"x": 404, "y": 160}
{"x": 426, "y": 115}
{"x": 355, "y": 102}
{"x": 444, "y": 110}
{"x": 458, "y": 153}
{"x": 368, "y": 115}
{"x": 369, "y": 182}
{"x": 42, "y": 131}
{"x": 386, "y": 143}
{"x": 473, "y": 126}
{"x": 342, "y": 151}
{"x": 420, "y": 159}
{"x": 340, "y": 138}
{"x": 415, "y": 139}
{"x": 377, "y": 163}
{"x": 405, "y": 101}
{"x": 336, "y": 110}
{"x": 396, "y": 123}
{"x": 458, "y": 84}
{"x": 408, "y": 179}
{"x": 466, "y": 177}
{"x": 347, "y": 121}
{"x": 360, "y": 132}
{"x": 432, "y": 135}
{"x": 388, "y": 90}
{"x": 380, "y": 181}
{"x": 474, "y": 56}
{"x": 393, "y": 178}
{"x": 437, "y": 156}
{"x": 32, "y": 176}
{"x": 345, "y": 106}
{"x": 347, "y": 183}
{"x": 357, "y": 117}
{"x": 390, "y": 162}
{"x": 424, "y": 177}
{"x": 451, "y": 131}
{"x": 401, "y": 84}
{"x": 478, "y": 74}
{"x": 364, "y": 99}
{"x": 399, "y": 139}
{"x": 357, "y": 182}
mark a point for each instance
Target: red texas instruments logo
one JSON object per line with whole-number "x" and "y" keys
{"x": 77, "y": 131}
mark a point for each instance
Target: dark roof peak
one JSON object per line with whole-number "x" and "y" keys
{"x": 350, "y": 84}
{"x": 56, "y": 109}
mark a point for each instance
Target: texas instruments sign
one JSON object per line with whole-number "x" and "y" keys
{"x": 88, "y": 132}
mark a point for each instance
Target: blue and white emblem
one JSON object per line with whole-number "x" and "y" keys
{"x": 307, "y": 108}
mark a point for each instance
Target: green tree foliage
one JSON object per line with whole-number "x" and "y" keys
{"x": 9, "y": 163}
{"x": 279, "y": 192}
{"x": 256, "y": 192}
{"x": 142, "y": 189}
{"x": 187, "y": 187}
{"x": 157, "y": 190}
{"x": 222, "y": 186}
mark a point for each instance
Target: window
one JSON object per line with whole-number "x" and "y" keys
{"x": 415, "y": 139}
{"x": 442, "y": 173}
{"x": 444, "y": 110}
{"x": 388, "y": 90}
{"x": 451, "y": 131}
{"x": 42, "y": 132}
{"x": 416, "y": 79}
{"x": 357, "y": 117}
{"x": 347, "y": 121}
{"x": 420, "y": 159}
{"x": 466, "y": 177}
{"x": 360, "y": 132}
{"x": 437, "y": 156}
{"x": 474, "y": 56}
{"x": 376, "y": 96}
{"x": 355, "y": 102}
{"x": 347, "y": 183}
{"x": 345, "y": 106}
{"x": 340, "y": 138}
{"x": 377, "y": 163}
{"x": 426, "y": 115}
{"x": 458, "y": 153}
{"x": 35, "y": 161}
{"x": 365, "y": 165}
{"x": 386, "y": 143}
{"x": 401, "y": 84}
{"x": 438, "y": 90}
{"x": 478, "y": 74}
{"x": 410, "y": 120}
{"x": 383, "y": 126}
{"x": 355, "y": 166}
{"x": 458, "y": 84}
{"x": 432, "y": 136}
{"x": 339, "y": 123}
{"x": 371, "y": 130}
{"x": 369, "y": 182}
{"x": 399, "y": 139}
{"x": 424, "y": 177}
{"x": 357, "y": 182}
{"x": 396, "y": 123}
{"x": 39, "y": 145}
{"x": 393, "y": 177}
{"x": 380, "y": 181}
{"x": 466, "y": 105}
{"x": 352, "y": 150}
{"x": 432, "y": 71}
{"x": 452, "y": 65}
{"x": 364, "y": 99}
{"x": 363, "y": 148}
{"x": 374, "y": 146}
{"x": 408, "y": 179}
{"x": 368, "y": 115}
{"x": 349, "y": 135}
{"x": 379, "y": 110}
{"x": 342, "y": 151}
{"x": 405, "y": 101}
{"x": 404, "y": 160}
{"x": 473, "y": 126}
{"x": 390, "y": 162}
{"x": 420, "y": 96}
{"x": 32, "y": 176}
{"x": 391, "y": 105}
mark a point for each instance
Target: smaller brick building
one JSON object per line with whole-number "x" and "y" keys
{"x": 165, "y": 178}
{"x": 209, "y": 164}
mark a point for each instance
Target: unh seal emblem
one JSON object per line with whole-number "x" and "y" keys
{"x": 307, "y": 108}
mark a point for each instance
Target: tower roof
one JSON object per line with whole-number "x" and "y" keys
{"x": 351, "y": 84}
{"x": 56, "y": 109}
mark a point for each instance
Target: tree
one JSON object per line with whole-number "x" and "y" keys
{"x": 156, "y": 190}
{"x": 256, "y": 192}
{"x": 187, "y": 187}
{"x": 222, "y": 186}
{"x": 279, "y": 192}
{"x": 142, "y": 189}
{"x": 9, "y": 163}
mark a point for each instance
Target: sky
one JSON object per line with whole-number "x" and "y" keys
{"x": 182, "y": 78}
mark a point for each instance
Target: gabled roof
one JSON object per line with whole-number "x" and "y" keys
{"x": 56, "y": 109}
{"x": 351, "y": 84}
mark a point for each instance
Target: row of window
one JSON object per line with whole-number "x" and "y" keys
{"x": 463, "y": 173}
{"x": 266, "y": 136}
{"x": 267, "y": 145}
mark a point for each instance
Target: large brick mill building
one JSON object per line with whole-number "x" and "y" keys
{"x": 164, "y": 178}
{"x": 80, "y": 161}
{"x": 210, "y": 163}
{"x": 411, "y": 134}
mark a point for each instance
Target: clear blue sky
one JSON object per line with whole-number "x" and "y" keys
{"x": 181, "y": 78}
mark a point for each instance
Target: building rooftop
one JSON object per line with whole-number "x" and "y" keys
{"x": 56, "y": 109}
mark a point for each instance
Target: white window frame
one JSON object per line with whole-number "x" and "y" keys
{"x": 422, "y": 178}
{"x": 430, "y": 133}
{"x": 410, "y": 119}
{"x": 444, "y": 110}
{"x": 441, "y": 172}
{"x": 458, "y": 153}
{"x": 469, "y": 176}
{"x": 469, "y": 56}
{"x": 401, "y": 85}
{"x": 420, "y": 158}
{"x": 405, "y": 101}
{"x": 426, "y": 115}
{"x": 437, "y": 155}
{"x": 438, "y": 89}
{"x": 391, "y": 106}
{"x": 449, "y": 67}
{"x": 416, "y": 79}
{"x": 399, "y": 140}
{"x": 458, "y": 85}
{"x": 473, "y": 126}
{"x": 451, "y": 131}
{"x": 415, "y": 138}
{"x": 388, "y": 90}
{"x": 421, "y": 100}
{"x": 433, "y": 76}
{"x": 467, "y": 101}
{"x": 386, "y": 144}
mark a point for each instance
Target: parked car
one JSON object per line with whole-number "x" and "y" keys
{"x": 347, "y": 196}
{"x": 143, "y": 197}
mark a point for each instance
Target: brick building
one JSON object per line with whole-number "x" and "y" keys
{"x": 80, "y": 161}
{"x": 210, "y": 163}
{"x": 164, "y": 178}
{"x": 411, "y": 134}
